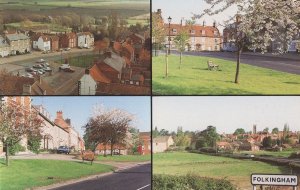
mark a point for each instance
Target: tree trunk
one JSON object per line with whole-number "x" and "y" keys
{"x": 167, "y": 60}
{"x": 238, "y": 65}
{"x": 6, "y": 154}
{"x": 104, "y": 150}
{"x": 180, "y": 60}
{"x": 111, "y": 149}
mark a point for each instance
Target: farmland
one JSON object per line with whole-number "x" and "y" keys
{"x": 236, "y": 171}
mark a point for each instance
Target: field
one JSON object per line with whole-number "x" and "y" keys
{"x": 125, "y": 158}
{"x": 236, "y": 171}
{"x": 195, "y": 79}
{"x": 52, "y": 27}
{"x": 23, "y": 174}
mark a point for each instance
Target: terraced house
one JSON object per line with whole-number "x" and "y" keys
{"x": 54, "y": 133}
{"x": 19, "y": 43}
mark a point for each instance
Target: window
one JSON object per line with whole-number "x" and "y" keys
{"x": 216, "y": 40}
{"x": 203, "y": 32}
{"x": 216, "y": 48}
{"x": 174, "y": 30}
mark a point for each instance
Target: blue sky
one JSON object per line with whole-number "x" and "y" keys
{"x": 183, "y": 8}
{"x": 227, "y": 113}
{"x": 79, "y": 109}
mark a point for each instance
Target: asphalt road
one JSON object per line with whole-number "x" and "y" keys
{"x": 287, "y": 65}
{"x": 136, "y": 178}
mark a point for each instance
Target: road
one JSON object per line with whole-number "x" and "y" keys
{"x": 136, "y": 178}
{"x": 284, "y": 64}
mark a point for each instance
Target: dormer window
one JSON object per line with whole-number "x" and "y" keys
{"x": 174, "y": 30}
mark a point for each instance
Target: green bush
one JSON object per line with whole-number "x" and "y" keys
{"x": 15, "y": 149}
{"x": 189, "y": 182}
{"x": 34, "y": 144}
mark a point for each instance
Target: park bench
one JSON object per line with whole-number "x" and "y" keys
{"x": 212, "y": 66}
{"x": 88, "y": 156}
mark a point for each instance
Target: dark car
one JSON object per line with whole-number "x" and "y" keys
{"x": 63, "y": 149}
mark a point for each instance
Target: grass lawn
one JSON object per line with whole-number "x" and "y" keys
{"x": 195, "y": 79}
{"x": 284, "y": 153}
{"x": 125, "y": 158}
{"x": 23, "y": 174}
{"x": 83, "y": 60}
{"x": 236, "y": 171}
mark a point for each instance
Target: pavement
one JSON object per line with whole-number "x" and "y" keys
{"x": 289, "y": 63}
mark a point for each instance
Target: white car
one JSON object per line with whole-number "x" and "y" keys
{"x": 40, "y": 61}
{"x": 48, "y": 69}
{"x": 65, "y": 66}
{"x": 28, "y": 75}
{"x": 40, "y": 72}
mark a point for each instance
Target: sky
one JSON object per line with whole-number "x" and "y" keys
{"x": 226, "y": 113}
{"x": 184, "y": 8}
{"x": 79, "y": 109}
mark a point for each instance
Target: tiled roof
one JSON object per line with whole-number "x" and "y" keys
{"x": 121, "y": 89}
{"x": 209, "y": 30}
{"x": 115, "y": 62}
{"x": 97, "y": 75}
{"x": 13, "y": 85}
{"x": 161, "y": 139}
{"x": 14, "y": 37}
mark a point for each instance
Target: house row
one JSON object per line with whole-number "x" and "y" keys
{"x": 19, "y": 43}
{"x": 55, "y": 133}
{"x": 53, "y": 42}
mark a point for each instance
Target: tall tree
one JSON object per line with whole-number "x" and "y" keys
{"x": 206, "y": 138}
{"x": 275, "y": 130}
{"x": 17, "y": 122}
{"x": 108, "y": 127}
{"x": 158, "y": 31}
{"x": 260, "y": 23}
{"x": 239, "y": 131}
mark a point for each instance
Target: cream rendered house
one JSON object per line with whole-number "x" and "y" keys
{"x": 162, "y": 143}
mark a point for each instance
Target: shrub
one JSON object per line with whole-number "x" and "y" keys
{"x": 208, "y": 150}
{"x": 15, "y": 149}
{"x": 190, "y": 182}
{"x": 34, "y": 144}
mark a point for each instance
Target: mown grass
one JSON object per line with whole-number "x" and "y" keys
{"x": 83, "y": 60}
{"x": 236, "y": 171}
{"x": 284, "y": 153}
{"x": 194, "y": 78}
{"x": 23, "y": 174}
{"x": 125, "y": 158}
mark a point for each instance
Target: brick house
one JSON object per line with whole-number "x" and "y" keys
{"x": 201, "y": 37}
{"x": 54, "y": 43}
{"x": 145, "y": 138}
{"x": 68, "y": 40}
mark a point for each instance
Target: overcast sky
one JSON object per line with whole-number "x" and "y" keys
{"x": 184, "y": 8}
{"x": 227, "y": 113}
{"x": 79, "y": 109}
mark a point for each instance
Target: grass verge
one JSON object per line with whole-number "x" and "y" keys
{"x": 195, "y": 79}
{"x": 23, "y": 174}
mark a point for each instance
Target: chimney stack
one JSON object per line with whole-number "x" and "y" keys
{"x": 59, "y": 115}
{"x": 26, "y": 89}
{"x": 158, "y": 11}
{"x": 68, "y": 121}
{"x": 204, "y": 23}
{"x": 214, "y": 25}
{"x": 254, "y": 129}
{"x": 87, "y": 72}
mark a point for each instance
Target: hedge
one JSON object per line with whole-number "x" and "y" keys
{"x": 189, "y": 182}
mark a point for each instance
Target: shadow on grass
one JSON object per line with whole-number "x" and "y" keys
{"x": 291, "y": 82}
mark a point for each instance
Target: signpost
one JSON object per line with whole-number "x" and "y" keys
{"x": 274, "y": 180}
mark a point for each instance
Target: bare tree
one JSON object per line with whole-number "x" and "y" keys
{"x": 16, "y": 122}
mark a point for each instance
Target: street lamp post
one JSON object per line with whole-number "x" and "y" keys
{"x": 168, "y": 49}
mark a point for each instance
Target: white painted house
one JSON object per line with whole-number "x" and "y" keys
{"x": 162, "y": 143}
{"x": 87, "y": 85}
{"x": 42, "y": 43}
{"x": 85, "y": 39}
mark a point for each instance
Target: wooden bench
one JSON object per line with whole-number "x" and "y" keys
{"x": 212, "y": 66}
{"x": 88, "y": 156}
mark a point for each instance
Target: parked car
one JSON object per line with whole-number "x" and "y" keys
{"x": 28, "y": 69}
{"x": 38, "y": 66}
{"x": 28, "y": 75}
{"x": 69, "y": 70}
{"x": 40, "y": 61}
{"x": 67, "y": 49}
{"x": 40, "y": 71}
{"x": 48, "y": 69}
{"x": 63, "y": 149}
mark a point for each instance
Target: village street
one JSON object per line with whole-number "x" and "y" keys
{"x": 289, "y": 63}
{"x": 135, "y": 178}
